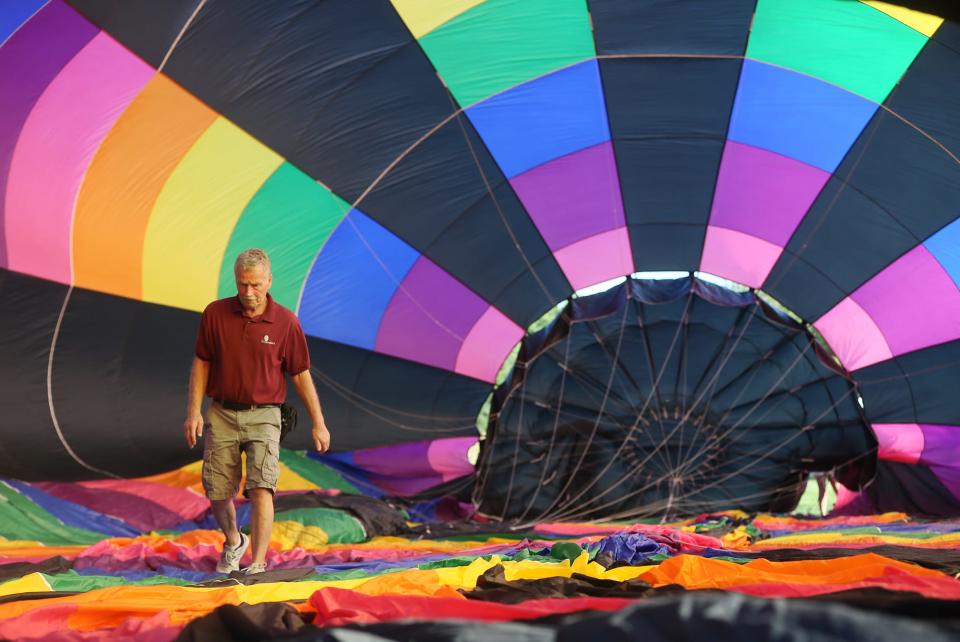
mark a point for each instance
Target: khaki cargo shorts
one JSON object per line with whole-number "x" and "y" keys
{"x": 228, "y": 433}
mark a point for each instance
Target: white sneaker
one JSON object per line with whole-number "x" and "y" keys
{"x": 230, "y": 558}
{"x": 254, "y": 569}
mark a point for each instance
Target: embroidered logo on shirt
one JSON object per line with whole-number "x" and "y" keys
{"x": 266, "y": 339}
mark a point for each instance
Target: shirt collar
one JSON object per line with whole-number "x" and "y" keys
{"x": 269, "y": 315}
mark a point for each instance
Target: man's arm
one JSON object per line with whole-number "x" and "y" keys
{"x": 308, "y": 393}
{"x": 193, "y": 425}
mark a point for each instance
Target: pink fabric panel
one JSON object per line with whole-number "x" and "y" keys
{"x": 899, "y": 442}
{"x": 184, "y": 502}
{"x": 57, "y": 143}
{"x": 913, "y": 301}
{"x": 449, "y": 456}
{"x": 853, "y": 335}
{"x": 737, "y": 256}
{"x": 490, "y": 341}
{"x": 596, "y": 259}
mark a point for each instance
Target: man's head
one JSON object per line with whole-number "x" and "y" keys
{"x": 254, "y": 278}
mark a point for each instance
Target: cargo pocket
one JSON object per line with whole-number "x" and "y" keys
{"x": 270, "y": 465}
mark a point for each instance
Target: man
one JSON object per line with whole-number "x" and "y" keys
{"x": 244, "y": 346}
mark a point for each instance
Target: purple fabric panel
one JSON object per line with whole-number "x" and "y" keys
{"x": 941, "y": 445}
{"x": 134, "y": 510}
{"x": 913, "y": 301}
{"x": 428, "y": 317}
{"x": 29, "y": 61}
{"x": 402, "y": 460}
{"x": 762, "y": 193}
{"x": 573, "y": 197}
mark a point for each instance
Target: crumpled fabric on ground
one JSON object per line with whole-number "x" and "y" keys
{"x": 493, "y": 586}
{"x": 633, "y": 548}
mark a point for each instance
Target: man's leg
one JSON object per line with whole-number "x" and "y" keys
{"x": 261, "y": 522}
{"x": 226, "y": 515}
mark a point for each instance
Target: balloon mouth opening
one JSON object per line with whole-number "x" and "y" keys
{"x": 666, "y": 397}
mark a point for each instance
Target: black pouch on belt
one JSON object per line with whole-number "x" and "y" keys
{"x": 288, "y": 419}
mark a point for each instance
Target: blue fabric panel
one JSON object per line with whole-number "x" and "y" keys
{"x": 543, "y": 119}
{"x": 945, "y": 246}
{"x": 344, "y": 464}
{"x": 14, "y": 13}
{"x": 73, "y": 514}
{"x": 353, "y": 280}
{"x": 796, "y": 115}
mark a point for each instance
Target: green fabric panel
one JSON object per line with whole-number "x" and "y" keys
{"x": 290, "y": 217}
{"x": 846, "y": 43}
{"x": 502, "y": 43}
{"x": 340, "y": 527}
{"x": 21, "y": 519}
{"x": 73, "y": 581}
{"x": 315, "y": 472}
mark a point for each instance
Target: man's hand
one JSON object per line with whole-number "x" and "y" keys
{"x": 321, "y": 438}
{"x": 193, "y": 429}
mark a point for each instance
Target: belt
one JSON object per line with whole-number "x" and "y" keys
{"x": 233, "y": 405}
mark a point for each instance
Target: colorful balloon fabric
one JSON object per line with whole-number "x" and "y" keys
{"x": 78, "y": 569}
{"x": 594, "y": 290}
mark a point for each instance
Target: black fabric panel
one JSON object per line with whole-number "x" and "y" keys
{"x": 371, "y": 399}
{"x": 50, "y": 566}
{"x": 146, "y": 27}
{"x": 917, "y": 387}
{"x": 928, "y": 95}
{"x": 949, "y": 32}
{"x": 340, "y": 88}
{"x": 493, "y": 586}
{"x": 894, "y": 189}
{"x": 239, "y": 622}
{"x": 678, "y": 27}
{"x": 31, "y": 448}
{"x": 438, "y": 200}
{"x": 668, "y": 121}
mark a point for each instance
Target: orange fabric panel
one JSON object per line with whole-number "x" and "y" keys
{"x": 124, "y": 180}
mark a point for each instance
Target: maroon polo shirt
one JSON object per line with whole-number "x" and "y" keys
{"x": 248, "y": 356}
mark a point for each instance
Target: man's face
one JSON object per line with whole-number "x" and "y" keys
{"x": 252, "y": 286}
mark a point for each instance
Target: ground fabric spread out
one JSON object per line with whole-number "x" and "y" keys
{"x": 73, "y": 572}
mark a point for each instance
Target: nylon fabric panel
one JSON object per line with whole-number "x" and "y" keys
{"x": 685, "y": 27}
{"x": 502, "y": 43}
{"x": 849, "y": 44}
{"x": 290, "y": 217}
{"x": 423, "y": 18}
{"x": 26, "y": 330}
{"x": 352, "y": 281}
{"x": 22, "y": 83}
{"x": 360, "y": 389}
{"x": 945, "y": 246}
{"x": 122, "y": 185}
{"x": 887, "y": 205}
{"x": 914, "y": 490}
{"x": 466, "y": 213}
{"x": 16, "y": 14}
{"x": 145, "y": 27}
{"x": 917, "y": 387}
{"x": 668, "y": 120}
{"x": 342, "y": 110}
{"x": 194, "y": 215}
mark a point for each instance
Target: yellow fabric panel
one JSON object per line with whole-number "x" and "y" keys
{"x": 285, "y": 591}
{"x": 188, "y": 476}
{"x": 423, "y": 16}
{"x": 289, "y": 480}
{"x": 922, "y": 22}
{"x": 32, "y": 583}
{"x": 287, "y": 535}
{"x": 195, "y": 214}
{"x": 465, "y": 577}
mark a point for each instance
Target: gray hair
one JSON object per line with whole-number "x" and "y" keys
{"x": 249, "y": 259}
